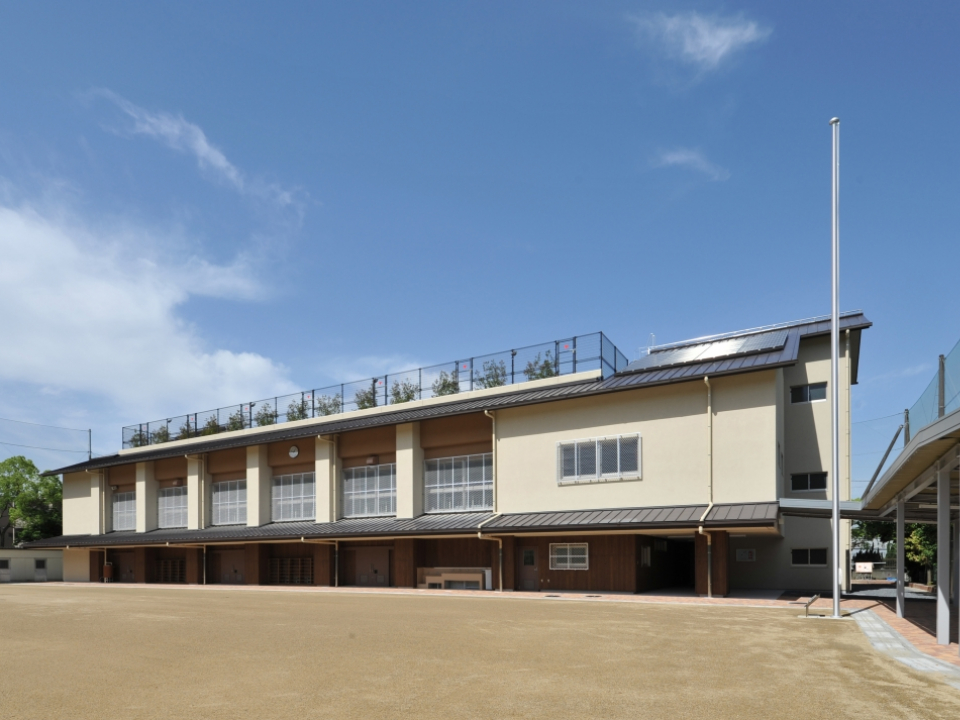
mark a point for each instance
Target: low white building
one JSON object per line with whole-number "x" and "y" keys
{"x": 30, "y": 565}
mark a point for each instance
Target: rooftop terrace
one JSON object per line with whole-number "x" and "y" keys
{"x": 576, "y": 354}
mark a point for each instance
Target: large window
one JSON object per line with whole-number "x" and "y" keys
{"x": 370, "y": 490}
{"x": 808, "y": 393}
{"x": 230, "y": 502}
{"x": 459, "y": 483}
{"x": 599, "y": 459}
{"x": 569, "y": 556}
{"x": 172, "y": 507}
{"x": 125, "y": 511}
{"x": 294, "y": 497}
{"x": 808, "y": 481}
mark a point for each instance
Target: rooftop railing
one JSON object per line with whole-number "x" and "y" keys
{"x": 941, "y": 396}
{"x": 571, "y": 355}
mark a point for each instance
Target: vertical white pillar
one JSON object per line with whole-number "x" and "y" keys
{"x": 943, "y": 555}
{"x": 409, "y": 471}
{"x": 901, "y": 557}
{"x": 259, "y": 477}
{"x": 326, "y": 472}
{"x": 146, "y": 498}
{"x": 197, "y": 492}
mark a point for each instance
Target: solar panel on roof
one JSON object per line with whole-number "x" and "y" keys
{"x": 703, "y": 352}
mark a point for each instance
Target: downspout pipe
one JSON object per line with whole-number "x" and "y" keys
{"x": 709, "y": 486}
{"x": 493, "y": 419}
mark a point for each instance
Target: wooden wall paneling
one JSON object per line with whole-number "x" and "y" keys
{"x": 322, "y": 564}
{"x": 140, "y": 564}
{"x": 721, "y": 557}
{"x": 96, "y": 565}
{"x": 194, "y": 560}
{"x": 509, "y": 563}
{"x": 404, "y": 560}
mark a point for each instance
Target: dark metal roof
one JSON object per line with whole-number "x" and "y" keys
{"x": 777, "y": 357}
{"x": 682, "y": 516}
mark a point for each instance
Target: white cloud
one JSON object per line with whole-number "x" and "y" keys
{"x": 94, "y": 310}
{"x": 698, "y": 40}
{"x": 692, "y": 159}
{"x": 179, "y": 134}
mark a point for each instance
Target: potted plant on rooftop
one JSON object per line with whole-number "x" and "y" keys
{"x": 538, "y": 369}
{"x": 494, "y": 374}
{"x": 329, "y": 404}
{"x": 367, "y": 398}
{"x": 446, "y": 384}
{"x": 403, "y": 391}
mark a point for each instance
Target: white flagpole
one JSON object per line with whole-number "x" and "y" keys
{"x": 835, "y": 370}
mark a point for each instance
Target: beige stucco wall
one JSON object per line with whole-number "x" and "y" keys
{"x": 146, "y": 497}
{"x": 807, "y": 425}
{"x": 672, "y": 422}
{"x": 409, "y": 471}
{"x": 76, "y": 565}
{"x": 23, "y": 567}
{"x": 81, "y": 503}
{"x": 327, "y": 473}
{"x": 259, "y": 478}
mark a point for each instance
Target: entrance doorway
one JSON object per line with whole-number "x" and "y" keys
{"x": 231, "y": 567}
{"x": 373, "y": 566}
{"x": 529, "y": 569}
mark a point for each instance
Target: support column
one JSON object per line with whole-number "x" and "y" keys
{"x": 259, "y": 477}
{"x": 943, "y": 555}
{"x": 146, "y": 498}
{"x": 409, "y": 471}
{"x": 197, "y": 492}
{"x": 901, "y": 557}
{"x": 326, "y": 473}
{"x": 955, "y": 564}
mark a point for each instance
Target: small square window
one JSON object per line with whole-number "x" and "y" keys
{"x": 40, "y": 564}
{"x": 800, "y": 556}
{"x": 800, "y": 482}
{"x": 818, "y": 556}
{"x": 4, "y": 564}
{"x": 818, "y": 481}
{"x": 808, "y": 393}
{"x": 798, "y": 394}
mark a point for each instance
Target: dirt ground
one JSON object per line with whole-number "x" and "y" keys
{"x": 115, "y": 652}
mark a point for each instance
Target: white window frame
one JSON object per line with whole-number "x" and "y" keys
{"x": 809, "y": 489}
{"x": 460, "y": 483}
{"x": 124, "y": 517}
{"x": 293, "y": 497}
{"x": 369, "y": 486}
{"x": 172, "y": 507}
{"x": 807, "y": 387}
{"x": 560, "y": 557}
{"x": 598, "y": 444}
{"x": 227, "y": 495}
{"x": 809, "y": 564}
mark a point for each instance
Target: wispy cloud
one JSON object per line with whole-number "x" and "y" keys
{"x": 110, "y": 327}
{"x": 179, "y": 134}
{"x": 692, "y": 160}
{"x": 699, "y": 40}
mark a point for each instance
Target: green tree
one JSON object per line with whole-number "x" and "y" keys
{"x": 160, "y": 436}
{"x": 186, "y": 431}
{"x": 211, "y": 426}
{"x": 139, "y": 439}
{"x": 920, "y": 548}
{"x": 298, "y": 410}
{"x": 266, "y": 415}
{"x": 538, "y": 369}
{"x": 329, "y": 405}
{"x": 864, "y": 532}
{"x": 446, "y": 384}
{"x": 39, "y": 510}
{"x": 31, "y": 502}
{"x": 237, "y": 420}
{"x": 403, "y": 391}
{"x": 494, "y": 374}
{"x": 367, "y": 398}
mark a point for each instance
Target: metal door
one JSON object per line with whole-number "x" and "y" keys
{"x": 123, "y": 566}
{"x": 231, "y": 567}
{"x": 529, "y": 569}
{"x": 373, "y": 566}
{"x": 39, "y": 570}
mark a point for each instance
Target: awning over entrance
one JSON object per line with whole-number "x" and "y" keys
{"x": 441, "y": 524}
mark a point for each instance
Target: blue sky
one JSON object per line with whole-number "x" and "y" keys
{"x": 205, "y": 204}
